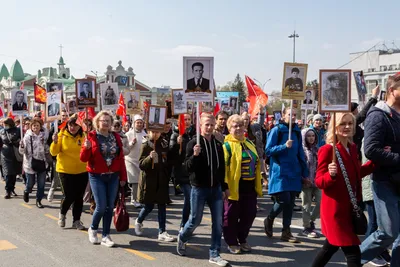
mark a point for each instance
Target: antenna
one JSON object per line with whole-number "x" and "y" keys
{"x": 61, "y": 47}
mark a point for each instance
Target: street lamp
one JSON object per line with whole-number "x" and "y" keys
{"x": 294, "y": 36}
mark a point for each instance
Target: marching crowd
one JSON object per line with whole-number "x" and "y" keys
{"x": 337, "y": 171}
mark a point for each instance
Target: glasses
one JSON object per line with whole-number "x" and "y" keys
{"x": 105, "y": 121}
{"x": 237, "y": 126}
{"x": 343, "y": 124}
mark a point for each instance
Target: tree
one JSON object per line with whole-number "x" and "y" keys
{"x": 238, "y": 86}
{"x": 226, "y": 87}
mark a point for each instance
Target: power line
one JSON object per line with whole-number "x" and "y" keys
{"x": 359, "y": 55}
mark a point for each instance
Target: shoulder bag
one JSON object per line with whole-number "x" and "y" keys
{"x": 18, "y": 155}
{"x": 358, "y": 218}
{"x": 37, "y": 165}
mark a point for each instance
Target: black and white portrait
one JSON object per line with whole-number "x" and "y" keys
{"x": 382, "y": 96}
{"x": 54, "y": 87}
{"x": 19, "y": 100}
{"x": 294, "y": 78}
{"x": 335, "y": 90}
{"x": 245, "y": 106}
{"x": 198, "y": 77}
{"x": 360, "y": 83}
{"x": 132, "y": 101}
{"x": 53, "y": 105}
{"x": 109, "y": 95}
{"x": 233, "y": 103}
{"x": 309, "y": 99}
{"x": 72, "y": 107}
{"x": 179, "y": 104}
{"x": 86, "y": 92}
{"x": 156, "y": 118}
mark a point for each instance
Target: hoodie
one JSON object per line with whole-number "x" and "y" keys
{"x": 382, "y": 128}
{"x": 311, "y": 154}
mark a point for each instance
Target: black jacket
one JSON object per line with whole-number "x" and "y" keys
{"x": 208, "y": 168}
{"x": 382, "y": 128}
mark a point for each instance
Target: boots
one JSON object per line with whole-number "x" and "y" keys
{"x": 39, "y": 204}
{"x": 26, "y": 196}
{"x": 268, "y": 224}
{"x": 288, "y": 237}
{"x": 7, "y": 196}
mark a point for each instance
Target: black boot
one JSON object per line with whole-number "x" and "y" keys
{"x": 7, "y": 196}
{"x": 39, "y": 204}
{"x": 268, "y": 224}
{"x": 14, "y": 194}
{"x": 26, "y": 196}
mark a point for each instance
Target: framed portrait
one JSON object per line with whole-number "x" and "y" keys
{"x": 335, "y": 90}
{"x": 132, "y": 102}
{"x": 245, "y": 107}
{"x": 198, "y": 77}
{"x": 54, "y": 87}
{"x": 277, "y": 115}
{"x": 309, "y": 99}
{"x": 53, "y": 106}
{"x": 360, "y": 84}
{"x": 71, "y": 106}
{"x": 382, "y": 96}
{"x": 19, "y": 102}
{"x": 85, "y": 90}
{"x": 179, "y": 104}
{"x": 190, "y": 107}
{"x": 156, "y": 118}
{"x": 109, "y": 96}
{"x": 294, "y": 80}
{"x": 233, "y": 103}
{"x": 207, "y": 107}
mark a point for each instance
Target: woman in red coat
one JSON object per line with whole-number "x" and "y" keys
{"x": 336, "y": 208}
{"x": 103, "y": 152}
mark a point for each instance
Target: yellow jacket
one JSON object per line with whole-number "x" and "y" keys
{"x": 233, "y": 166}
{"x": 67, "y": 150}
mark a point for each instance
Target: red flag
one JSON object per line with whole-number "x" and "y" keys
{"x": 81, "y": 118}
{"x": 216, "y": 109}
{"x": 91, "y": 113}
{"x": 256, "y": 96}
{"x": 181, "y": 125}
{"x": 40, "y": 94}
{"x": 10, "y": 115}
{"x": 22, "y": 86}
{"x": 62, "y": 125}
{"x": 121, "y": 111}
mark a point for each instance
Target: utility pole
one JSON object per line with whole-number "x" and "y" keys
{"x": 294, "y": 36}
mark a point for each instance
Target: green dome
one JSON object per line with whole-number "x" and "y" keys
{"x": 4, "y": 72}
{"x": 16, "y": 73}
{"x": 61, "y": 61}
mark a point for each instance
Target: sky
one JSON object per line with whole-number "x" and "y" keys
{"x": 245, "y": 37}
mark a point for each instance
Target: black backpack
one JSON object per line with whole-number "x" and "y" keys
{"x": 280, "y": 134}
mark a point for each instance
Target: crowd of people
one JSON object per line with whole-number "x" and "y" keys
{"x": 226, "y": 167}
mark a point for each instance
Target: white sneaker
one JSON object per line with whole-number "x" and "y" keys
{"x": 136, "y": 204}
{"x": 218, "y": 261}
{"x": 93, "y": 236}
{"x": 61, "y": 220}
{"x": 138, "y": 228}
{"x": 50, "y": 195}
{"x": 181, "y": 230}
{"x": 166, "y": 237}
{"x": 106, "y": 241}
{"x": 78, "y": 225}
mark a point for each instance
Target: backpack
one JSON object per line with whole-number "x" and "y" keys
{"x": 228, "y": 148}
{"x": 280, "y": 134}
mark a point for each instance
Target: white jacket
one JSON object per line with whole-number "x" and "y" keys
{"x": 40, "y": 149}
{"x": 132, "y": 159}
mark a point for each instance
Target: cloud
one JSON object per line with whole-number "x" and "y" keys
{"x": 186, "y": 50}
{"x": 244, "y": 42}
{"x": 128, "y": 41}
{"x": 96, "y": 39}
{"x": 327, "y": 46}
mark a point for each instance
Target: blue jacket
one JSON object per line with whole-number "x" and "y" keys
{"x": 287, "y": 165}
{"x": 320, "y": 136}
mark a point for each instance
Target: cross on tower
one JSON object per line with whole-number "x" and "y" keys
{"x": 61, "y": 47}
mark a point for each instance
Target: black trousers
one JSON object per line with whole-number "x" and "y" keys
{"x": 73, "y": 187}
{"x": 10, "y": 183}
{"x": 352, "y": 253}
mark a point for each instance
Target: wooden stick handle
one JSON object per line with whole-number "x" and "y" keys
{"x": 334, "y": 137}
{"x": 152, "y": 164}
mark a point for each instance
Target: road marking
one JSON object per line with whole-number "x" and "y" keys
{"x": 207, "y": 219}
{"x": 26, "y": 205}
{"x": 5, "y": 245}
{"x": 140, "y": 254}
{"x": 51, "y": 217}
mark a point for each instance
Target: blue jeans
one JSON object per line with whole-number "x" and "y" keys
{"x": 41, "y": 181}
{"x": 283, "y": 202}
{"x": 372, "y": 222}
{"x": 388, "y": 215}
{"x": 198, "y": 198}
{"x": 162, "y": 215}
{"x": 186, "y": 189}
{"x": 104, "y": 189}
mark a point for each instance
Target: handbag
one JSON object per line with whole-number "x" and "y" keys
{"x": 18, "y": 156}
{"x": 36, "y": 164}
{"x": 358, "y": 218}
{"x": 121, "y": 216}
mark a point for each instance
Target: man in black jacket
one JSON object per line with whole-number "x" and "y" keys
{"x": 382, "y": 131}
{"x": 206, "y": 167}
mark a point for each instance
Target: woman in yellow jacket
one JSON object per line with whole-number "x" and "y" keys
{"x": 72, "y": 172}
{"x": 243, "y": 176}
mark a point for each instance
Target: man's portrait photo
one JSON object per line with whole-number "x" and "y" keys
{"x": 294, "y": 78}
{"x": 19, "y": 99}
{"x": 179, "y": 105}
{"x": 335, "y": 90}
{"x": 156, "y": 118}
{"x": 109, "y": 95}
{"x": 54, "y": 87}
{"x": 245, "y": 106}
{"x": 53, "y": 109}
{"x": 233, "y": 103}
{"x": 72, "y": 107}
{"x": 198, "y": 74}
{"x": 85, "y": 90}
{"x": 360, "y": 83}
{"x": 308, "y": 99}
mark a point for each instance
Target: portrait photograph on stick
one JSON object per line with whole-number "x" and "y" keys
{"x": 109, "y": 96}
{"x": 233, "y": 103}
{"x": 132, "y": 101}
{"x": 53, "y": 106}
{"x": 179, "y": 104}
{"x": 245, "y": 107}
{"x": 71, "y": 106}
{"x": 309, "y": 99}
{"x": 198, "y": 72}
{"x": 85, "y": 90}
{"x": 54, "y": 87}
{"x": 156, "y": 118}
{"x": 294, "y": 80}
{"x": 335, "y": 90}
{"x": 360, "y": 84}
{"x": 19, "y": 102}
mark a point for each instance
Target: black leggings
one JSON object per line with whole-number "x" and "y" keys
{"x": 352, "y": 253}
{"x": 73, "y": 187}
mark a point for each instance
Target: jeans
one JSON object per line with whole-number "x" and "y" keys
{"x": 73, "y": 187}
{"x": 198, "y": 198}
{"x": 310, "y": 214}
{"x": 41, "y": 181}
{"x": 10, "y": 183}
{"x": 388, "y": 216}
{"x": 186, "y": 189}
{"x": 162, "y": 215}
{"x": 283, "y": 202}
{"x": 104, "y": 189}
{"x": 372, "y": 222}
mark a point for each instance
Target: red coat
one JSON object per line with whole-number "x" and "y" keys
{"x": 95, "y": 161}
{"x": 336, "y": 207}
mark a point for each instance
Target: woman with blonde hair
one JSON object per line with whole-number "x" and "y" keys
{"x": 338, "y": 180}
{"x": 103, "y": 152}
{"x": 243, "y": 176}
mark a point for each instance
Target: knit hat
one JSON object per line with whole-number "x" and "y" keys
{"x": 317, "y": 117}
{"x": 354, "y": 106}
{"x": 137, "y": 117}
{"x": 310, "y": 117}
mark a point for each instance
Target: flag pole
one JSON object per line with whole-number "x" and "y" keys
{"x": 198, "y": 123}
{"x": 290, "y": 120}
{"x": 87, "y": 118}
{"x": 21, "y": 126}
{"x": 334, "y": 137}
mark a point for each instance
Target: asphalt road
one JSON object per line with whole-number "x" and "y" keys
{"x": 31, "y": 237}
